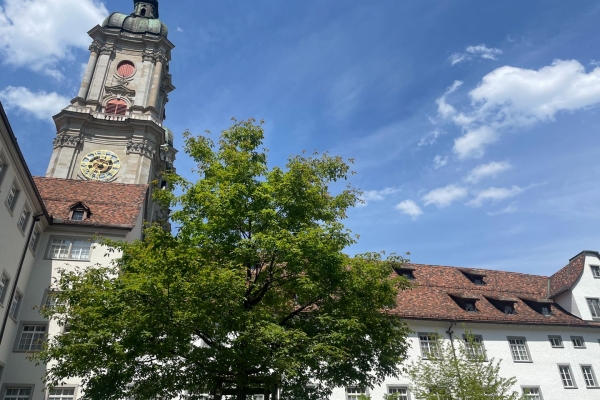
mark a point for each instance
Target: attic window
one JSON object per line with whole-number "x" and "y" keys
{"x": 466, "y": 302}
{"x": 406, "y": 273}
{"x": 477, "y": 279}
{"x": 595, "y": 271}
{"x": 116, "y": 107}
{"x": 543, "y": 307}
{"x": 79, "y": 212}
{"x": 143, "y": 12}
{"x": 78, "y": 215}
{"x": 507, "y": 306}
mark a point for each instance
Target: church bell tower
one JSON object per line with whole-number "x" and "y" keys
{"x": 113, "y": 130}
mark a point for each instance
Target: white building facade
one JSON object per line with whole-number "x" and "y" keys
{"x": 111, "y": 144}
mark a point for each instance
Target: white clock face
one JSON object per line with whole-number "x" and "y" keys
{"x": 100, "y": 165}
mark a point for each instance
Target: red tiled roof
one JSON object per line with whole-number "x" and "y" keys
{"x": 435, "y": 287}
{"x": 565, "y": 278}
{"x": 111, "y": 204}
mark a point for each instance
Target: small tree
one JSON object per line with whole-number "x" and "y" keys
{"x": 253, "y": 292}
{"x": 459, "y": 370}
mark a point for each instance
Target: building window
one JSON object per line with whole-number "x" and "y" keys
{"x": 518, "y": 349}
{"x": 532, "y": 393}
{"x": 3, "y": 287}
{"x": 116, "y": 107}
{"x": 477, "y": 279}
{"x": 429, "y": 345}
{"x": 18, "y": 393}
{"x": 354, "y": 392}
{"x": 11, "y": 199}
{"x": 3, "y": 167}
{"x": 23, "y": 219}
{"x": 595, "y": 270}
{"x": 405, "y": 273}
{"x": 70, "y": 249}
{"x": 594, "y": 307}
{"x": 78, "y": 215}
{"x": 33, "y": 242}
{"x": 578, "y": 342}
{"x": 566, "y": 376}
{"x": 52, "y": 301}
{"x": 474, "y": 347}
{"x": 61, "y": 394}
{"x": 588, "y": 376}
{"x": 32, "y": 338}
{"x": 556, "y": 341}
{"x": 399, "y": 393}
{"x": 15, "y": 305}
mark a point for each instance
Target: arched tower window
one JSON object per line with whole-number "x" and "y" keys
{"x": 116, "y": 107}
{"x": 143, "y": 12}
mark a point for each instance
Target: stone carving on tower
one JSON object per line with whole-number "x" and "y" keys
{"x": 113, "y": 130}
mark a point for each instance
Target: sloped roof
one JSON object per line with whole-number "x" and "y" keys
{"x": 564, "y": 279}
{"x": 112, "y": 204}
{"x": 431, "y": 298}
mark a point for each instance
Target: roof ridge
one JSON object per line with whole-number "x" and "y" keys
{"x": 478, "y": 289}
{"x": 481, "y": 269}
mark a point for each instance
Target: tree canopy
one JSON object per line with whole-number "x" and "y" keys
{"x": 459, "y": 369}
{"x": 253, "y": 291}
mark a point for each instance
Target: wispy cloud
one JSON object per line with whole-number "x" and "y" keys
{"x": 431, "y": 137}
{"x": 179, "y": 29}
{"x": 471, "y": 52}
{"x": 494, "y": 194}
{"x": 439, "y": 161}
{"x": 511, "y": 98}
{"x": 445, "y": 109}
{"x": 377, "y": 195}
{"x": 40, "y": 105}
{"x": 512, "y": 208}
{"x": 487, "y": 170}
{"x": 409, "y": 207}
{"x": 443, "y": 197}
{"x": 30, "y": 38}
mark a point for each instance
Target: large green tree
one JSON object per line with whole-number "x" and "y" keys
{"x": 252, "y": 292}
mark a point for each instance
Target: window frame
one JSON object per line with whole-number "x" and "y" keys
{"x": 4, "y": 274}
{"x": 396, "y": 387}
{"x": 481, "y": 346}
{"x": 570, "y": 370}
{"x": 559, "y": 337}
{"x": 347, "y": 393}
{"x": 590, "y": 300}
{"x": 22, "y": 326}
{"x": 429, "y": 335}
{"x": 595, "y": 386}
{"x": 7, "y": 386}
{"x": 34, "y": 240}
{"x": 13, "y": 196}
{"x": 573, "y": 338}
{"x": 48, "y": 293}
{"x": 70, "y": 240}
{"x": 595, "y": 270}
{"x": 15, "y": 315}
{"x": 24, "y": 216}
{"x": 1, "y": 370}
{"x": 74, "y": 387}
{"x": 524, "y": 339}
{"x": 523, "y": 388}
{"x": 4, "y": 165}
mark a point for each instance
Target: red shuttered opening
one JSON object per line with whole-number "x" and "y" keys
{"x": 116, "y": 107}
{"x": 126, "y": 69}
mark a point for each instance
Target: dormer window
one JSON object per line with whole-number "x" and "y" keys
{"x": 477, "y": 279}
{"x": 595, "y": 271}
{"x": 79, "y": 212}
{"x": 543, "y": 307}
{"x": 505, "y": 305}
{"x": 405, "y": 272}
{"x": 465, "y": 301}
{"x": 143, "y": 12}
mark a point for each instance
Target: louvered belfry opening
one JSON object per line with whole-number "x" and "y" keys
{"x": 116, "y": 107}
{"x": 126, "y": 69}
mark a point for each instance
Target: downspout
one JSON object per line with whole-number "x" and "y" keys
{"x": 450, "y": 333}
{"x": 19, "y": 269}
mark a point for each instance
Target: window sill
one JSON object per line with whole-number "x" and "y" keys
{"x": 523, "y": 362}
{"x": 592, "y": 387}
{"x": 67, "y": 259}
{"x": 13, "y": 318}
{"x": 10, "y": 210}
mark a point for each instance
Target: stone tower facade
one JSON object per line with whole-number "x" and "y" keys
{"x": 113, "y": 130}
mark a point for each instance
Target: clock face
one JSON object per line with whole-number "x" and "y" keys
{"x": 100, "y": 165}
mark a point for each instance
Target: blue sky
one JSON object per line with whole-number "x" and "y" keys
{"x": 473, "y": 123}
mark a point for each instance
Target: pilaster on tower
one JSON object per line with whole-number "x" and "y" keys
{"x": 120, "y": 106}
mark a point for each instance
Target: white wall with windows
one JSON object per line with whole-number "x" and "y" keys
{"x": 551, "y": 363}
{"x": 584, "y": 298}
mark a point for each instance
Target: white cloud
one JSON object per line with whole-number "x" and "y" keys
{"x": 179, "y": 29}
{"x": 41, "y": 105}
{"x": 444, "y": 109}
{"x": 485, "y": 170}
{"x": 443, "y": 197}
{"x": 376, "y": 195}
{"x": 494, "y": 194}
{"x": 512, "y": 208}
{"x": 38, "y": 34}
{"x": 431, "y": 137}
{"x": 439, "y": 161}
{"x": 512, "y": 98}
{"x": 409, "y": 207}
{"x": 472, "y": 52}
